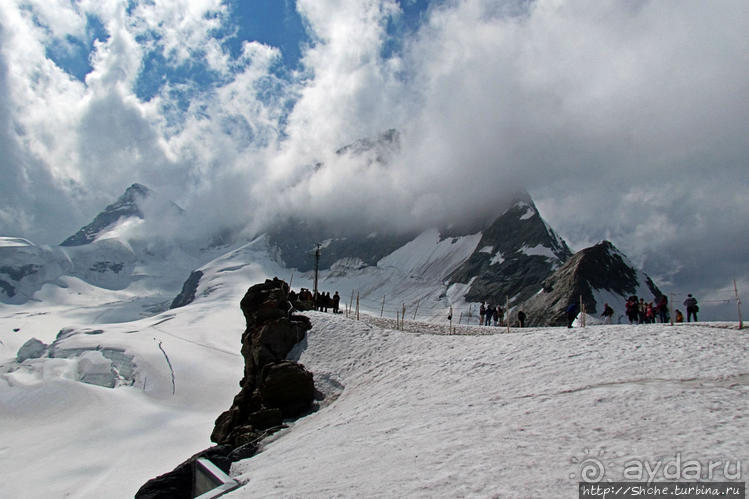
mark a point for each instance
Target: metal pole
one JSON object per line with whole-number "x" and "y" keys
{"x": 317, "y": 267}
{"x": 507, "y": 312}
{"x": 738, "y": 304}
{"x": 417, "y": 308}
{"x": 671, "y": 308}
{"x": 383, "y": 306}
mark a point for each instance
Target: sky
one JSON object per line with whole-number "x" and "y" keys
{"x": 625, "y": 120}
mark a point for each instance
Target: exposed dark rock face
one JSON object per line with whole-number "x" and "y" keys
{"x": 272, "y": 389}
{"x": 600, "y": 267}
{"x": 296, "y": 241}
{"x": 270, "y": 382}
{"x": 187, "y": 295}
{"x": 125, "y": 206}
{"x": 128, "y": 205}
{"x": 516, "y": 252}
{"x": 9, "y": 290}
{"x": 18, "y": 273}
{"x": 287, "y": 386}
{"x": 177, "y": 484}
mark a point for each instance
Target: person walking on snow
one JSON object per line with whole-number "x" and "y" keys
{"x": 692, "y": 308}
{"x": 572, "y": 311}
{"x": 607, "y": 314}
{"x": 482, "y": 313}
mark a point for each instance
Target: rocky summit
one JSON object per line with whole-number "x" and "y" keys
{"x": 597, "y": 275}
{"x": 273, "y": 388}
{"x": 516, "y": 252}
{"x": 126, "y": 206}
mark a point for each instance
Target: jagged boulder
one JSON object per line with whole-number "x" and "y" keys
{"x": 271, "y": 385}
{"x": 287, "y": 386}
{"x": 272, "y": 389}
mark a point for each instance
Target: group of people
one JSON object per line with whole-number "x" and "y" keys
{"x": 642, "y": 312}
{"x": 489, "y": 314}
{"x": 307, "y": 300}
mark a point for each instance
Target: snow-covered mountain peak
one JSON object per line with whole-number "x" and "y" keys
{"x": 596, "y": 275}
{"x": 129, "y": 207}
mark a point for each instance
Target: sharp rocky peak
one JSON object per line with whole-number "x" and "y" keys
{"x": 126, "y": 206}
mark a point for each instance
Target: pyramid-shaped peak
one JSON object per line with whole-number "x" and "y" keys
{"x": 126, "y": 206}
{"x": 136, "y": 189}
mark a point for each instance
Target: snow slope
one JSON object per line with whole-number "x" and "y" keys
{"x": 115, "y": 401}
{"x": 505, "y": 415}
{"x": 408, "y": 413}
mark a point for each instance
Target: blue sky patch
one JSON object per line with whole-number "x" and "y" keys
{"x": 72, "y": 55}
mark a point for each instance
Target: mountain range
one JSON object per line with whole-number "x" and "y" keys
{"x": 516, "y": 259}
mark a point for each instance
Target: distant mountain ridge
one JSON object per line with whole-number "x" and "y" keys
{"x": 514, "y": 258}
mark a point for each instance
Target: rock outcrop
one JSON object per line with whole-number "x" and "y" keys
{"x": 189, "y": 288}
{"x": 273, "y": 389}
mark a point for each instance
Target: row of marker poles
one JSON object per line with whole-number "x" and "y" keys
{"x": 350, "y": 310}
{"x": 400, "y": 316}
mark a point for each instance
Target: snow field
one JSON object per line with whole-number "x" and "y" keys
{"x": 412, "y": 413}
{"x": 504, "y": 415}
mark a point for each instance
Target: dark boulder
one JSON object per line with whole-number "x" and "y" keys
{"x": 178, "y": 483}
{"x": 272, "y": 388}
{"x": 289, "y": 387}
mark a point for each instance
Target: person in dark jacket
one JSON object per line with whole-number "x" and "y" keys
{"x": 692, "y": 308}
{"x": 336, "y": 302}
{"x": 607, "y": 314}
{"x": 521, "y": 318}
{"x": 662, "y": 309}
{"x": 572, "y": 310}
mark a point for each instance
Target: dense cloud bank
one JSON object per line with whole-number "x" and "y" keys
{"x": 625, "y": 120}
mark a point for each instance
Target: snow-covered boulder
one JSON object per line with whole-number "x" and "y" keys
{"x": 32, "y": 349}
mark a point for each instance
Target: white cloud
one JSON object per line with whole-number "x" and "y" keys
{"x": 626, "y": 120}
